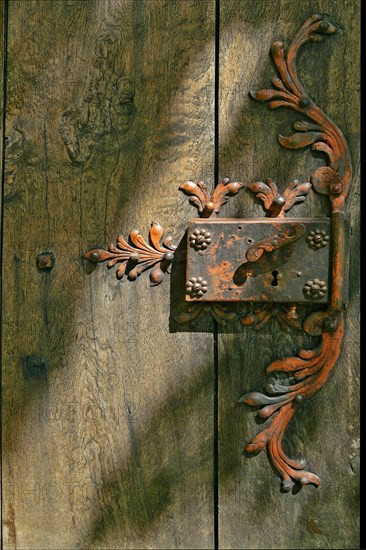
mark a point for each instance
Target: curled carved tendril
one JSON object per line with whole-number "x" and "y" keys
{"x": 320, "y": 133}
{"x": 301, "y": 377}
{"x": 138, "y": 256}
{"x": 205, "y": 203}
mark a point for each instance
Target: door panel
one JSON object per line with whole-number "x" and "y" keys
{"x": 107, "y": 415}
{"x": 253, "y": 513}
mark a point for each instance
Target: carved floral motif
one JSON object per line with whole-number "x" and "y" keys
{"x": 256, "y": 315}
{"x": 276, "y": 204}
{"x": 136, "y": 258}
{"x": 203, "y": 201}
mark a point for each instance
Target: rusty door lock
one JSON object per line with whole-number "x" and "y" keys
{"x": 259, "y": 260}
{"x": 274, "y": 263}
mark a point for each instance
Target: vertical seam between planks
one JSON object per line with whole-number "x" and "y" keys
{"x": 216, "y": 436}
{"x": 216, "y": 99}
{"x": 215, "y": 326}
{"x": 3, "y": 136}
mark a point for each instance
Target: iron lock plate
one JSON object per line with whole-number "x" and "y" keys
{"x": 258, "y": 260}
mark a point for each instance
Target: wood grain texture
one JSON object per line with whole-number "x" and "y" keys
{"x": 252, "y": 512}
{"x": 2, "y": 60}
{"x": 107, "y": 415}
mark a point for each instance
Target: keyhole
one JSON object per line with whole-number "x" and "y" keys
{"x": 275, "y": 281}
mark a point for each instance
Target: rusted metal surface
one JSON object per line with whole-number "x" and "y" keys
{"x": 258, "y": 260}
{"x": 138, "y": 256}
{"x": 310, "y": 369}
{"x": 45, "y": 261}
{"x": 339, "y": 265}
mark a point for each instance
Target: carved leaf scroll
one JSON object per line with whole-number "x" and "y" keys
{"x": 308, "y": 372}
{"x": 138, "y": 256}
{"x": 203, "y": 201}
{"x": 223, "y": 313}
{"x": 320, "y": 133}
{"x": 286, "y": 316}
{"x": 256, "y": 315}
{"x": 294, "y": 379}
{"x": 275, "y": 203}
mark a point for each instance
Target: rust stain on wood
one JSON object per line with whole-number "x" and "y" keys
{"x": 9, "y": 522}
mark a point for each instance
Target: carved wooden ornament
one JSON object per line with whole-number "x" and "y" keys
{"x": 291, "y": 380}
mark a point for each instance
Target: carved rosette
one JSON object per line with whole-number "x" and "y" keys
{"x": 138, "y": 256}
{"x": 293, "y": 380}
{"x": 200, "y": 239}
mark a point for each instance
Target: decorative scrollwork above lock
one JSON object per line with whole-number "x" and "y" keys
{"x": 253, "y": 270}
{"x": 205, "y": 203}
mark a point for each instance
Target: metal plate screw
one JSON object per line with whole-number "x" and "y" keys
{"x": 45, "y": 261}
{"x": 200, "y": 239}
{"x": 315, "y": 289}
{"x": 196, "y": 287}
{"x": 317, "y": 239}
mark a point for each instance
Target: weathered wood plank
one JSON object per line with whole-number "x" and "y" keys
{"x": 107, "y": 415}
{"x": 2, "y": 60}
{"x": 252, "y": 512}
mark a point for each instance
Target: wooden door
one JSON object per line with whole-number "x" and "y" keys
{"x": 121, "y": 427}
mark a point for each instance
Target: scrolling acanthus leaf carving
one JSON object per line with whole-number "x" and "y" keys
{"x": 203, "y": 201}
{"x": 310, "y": 369}
{"x": 138, "y": 257}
